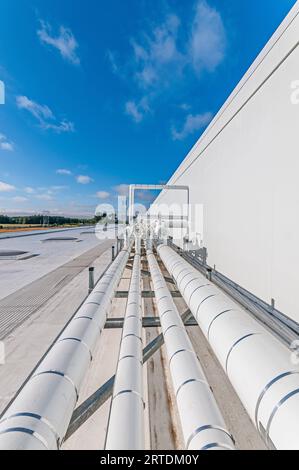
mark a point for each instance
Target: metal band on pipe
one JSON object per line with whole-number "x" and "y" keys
{"x": 217, "y": 316}
{"x": 206, "y": 428}
{"x": 276, "y": 408}
{"x": 234, "y": 345}
{"x": 190, "y": 381}
{"x": 266, "y": 388}
{"x": 27, "y": 431}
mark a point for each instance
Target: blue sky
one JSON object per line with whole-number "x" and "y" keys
{"x": 104, "y": 93}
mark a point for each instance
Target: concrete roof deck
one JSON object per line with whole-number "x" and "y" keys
{"x": 15, "y": 274}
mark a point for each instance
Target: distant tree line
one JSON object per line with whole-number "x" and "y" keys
{"x": 53, "y": 220}
{"x": 38, "y": 219}
{"x": 106, "y": 218}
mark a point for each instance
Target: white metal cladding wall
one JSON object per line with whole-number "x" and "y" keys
{"x": 244, "y": 170}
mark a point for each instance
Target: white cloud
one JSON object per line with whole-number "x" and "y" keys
{"x": 63, "y": 171}
{"x": 20, "y": 199}
{"x": 132, "y": 110}
{"x": 63, "y": 126}
{"x": 122, "y": 189}
{"x": 157, "y": 56}
{"x": 192, "y": 123}
{"x": 44, "y": 197}
{"x": 39, "y": 111}
{"x": 185, "y": 106}
{"x": 145, "y": 196}
{"x": 64, "y": 42}
{"x": 44, "y": 115}
{"x": 84, "y": 179}
{"x": 138, "y": 110}
{"x": 29, "y": 190}
{"x": 208, "y": 38}
{"x": 102, "y": 194}
{"x": 58, "y": 188}
{"x": 5, "y": 144}
{"x": 44, "y": 193}
{"x": 5, "y": 187}
{"x": 111, "y": 58}
{"x": 166, "y": 54}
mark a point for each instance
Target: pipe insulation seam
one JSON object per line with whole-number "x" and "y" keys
{"x": 126, "y": 419}
{"x": 197, "y": 406}
{"x": 252, "y": 357}
{"x": 52, "y": 391}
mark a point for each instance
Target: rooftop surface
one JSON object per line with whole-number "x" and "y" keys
{"x": 44, "y": 252}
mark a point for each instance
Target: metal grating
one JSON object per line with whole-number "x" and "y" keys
{"x": 18, "y": 306}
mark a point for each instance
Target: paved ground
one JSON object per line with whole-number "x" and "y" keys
{"x": 30, "y": 340}
{"x": 17, "y": 273}
{"x": 28, "y": 233}
{"x": 28, "y": 343}
{"x": 18, "y": 306}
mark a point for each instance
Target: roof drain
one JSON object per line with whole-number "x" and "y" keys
{"x": 13, "y": 254}
{"x": 60, "y": 239}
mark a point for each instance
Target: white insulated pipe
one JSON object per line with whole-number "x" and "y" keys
{"x": 201, "y": 420}
{"x": 258, "y": 365}
{"x": 39, "y": 416}
{"x": 126, "y": 420}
